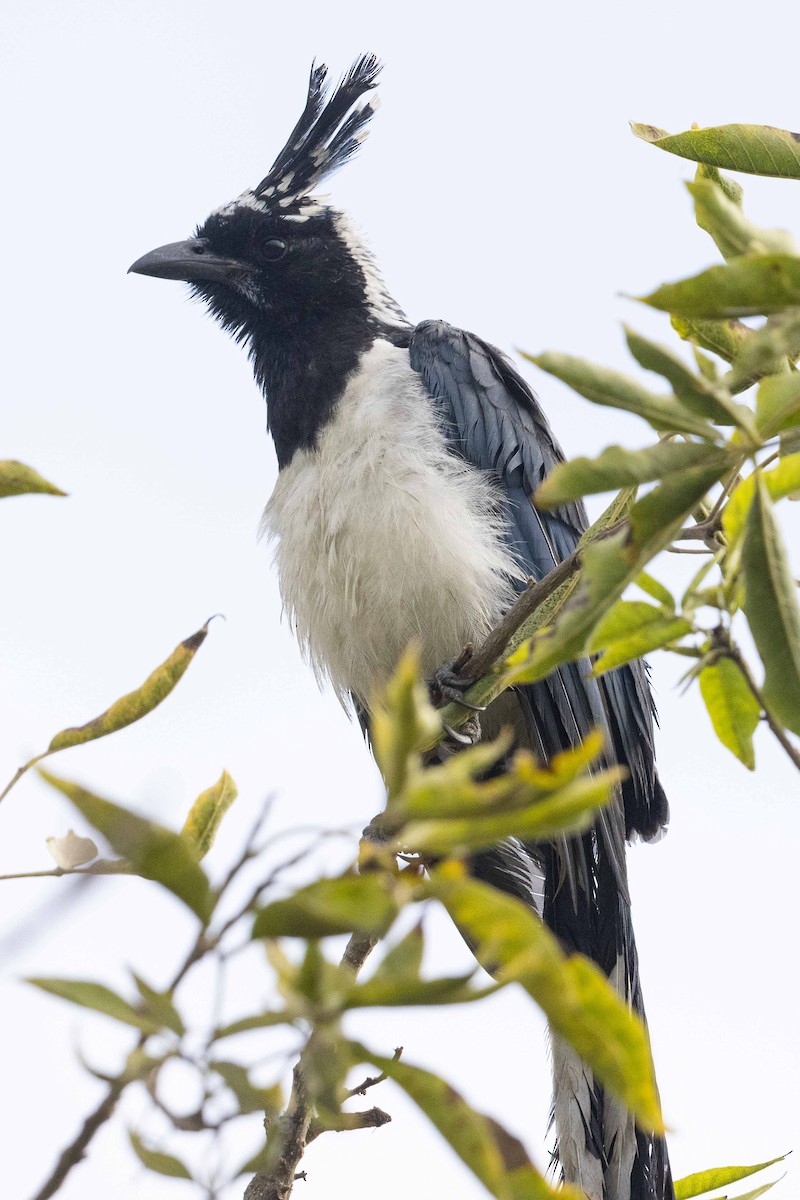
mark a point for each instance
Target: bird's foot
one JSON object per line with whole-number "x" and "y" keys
{"x": 448, "y": 683}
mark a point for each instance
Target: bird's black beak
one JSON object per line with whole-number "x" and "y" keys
{"x": 191, "y": 261}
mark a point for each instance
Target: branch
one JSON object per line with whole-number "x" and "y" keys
{"x": 370, "y": 1118}
{"x": 73, "y": 1154}
{"x": 297, "y": 1126}
{"x": 495, "y": 646}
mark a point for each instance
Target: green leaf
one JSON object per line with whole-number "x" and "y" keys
{"x": 612, "y": 389}
{"x": 659, "y": 514}
{"x": 778, "y": 403}
{"x": 16, "y": 479}
{"x": 633, "y": 628}
{"x": 771, "y": 608}
{"x": 704, "y": 398}
{"x": 155, "y": 1160}
{"x": 580, "y": 1003}
{"x": 616, "y": 468}
{"x": 99, "y": 998}
{"x": 753, "y": 149}
{"x": 403, "y": 961}
{"x": 655, "y": 589}
{"x": 745, "y": 287}
{"x": 265, "y": 1020}
{"x": 155, "y": 852}
{"x": 470, "y": 1134}
{"x": 206, "y": 814}
{"x": 723, "y": 338}
{"x": 251, "y": 1098}
{"x": 770, "y": 350}
{"x": 159, "y": 1006}
{"x": 717, "y": 1177}
{"x": 734, "y": 710}
{"x": 730, "y": 228}
{"x": 395, "y": 993}
{"x": 138, "y": 703}
{"x": 783, "y": 480}
{"x": 330, "y": 906}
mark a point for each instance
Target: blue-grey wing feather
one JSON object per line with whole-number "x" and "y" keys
{"x": 494, "y": 421}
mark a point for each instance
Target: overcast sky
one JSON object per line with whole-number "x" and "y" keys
{"x": 501, "y": 190}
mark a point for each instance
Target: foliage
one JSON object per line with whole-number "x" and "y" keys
{"x": 725, "y": 457}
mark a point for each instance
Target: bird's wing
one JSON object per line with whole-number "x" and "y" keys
{"x": 494, "y": 421}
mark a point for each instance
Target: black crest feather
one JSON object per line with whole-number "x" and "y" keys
{"x": 328, "y": 132}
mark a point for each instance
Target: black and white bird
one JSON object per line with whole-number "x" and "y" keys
{"x": 408, "y": 456}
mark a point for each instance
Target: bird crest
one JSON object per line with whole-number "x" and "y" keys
{"x": 327, "y": 135}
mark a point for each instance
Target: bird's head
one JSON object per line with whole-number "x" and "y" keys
{"x": 277, "y": 257}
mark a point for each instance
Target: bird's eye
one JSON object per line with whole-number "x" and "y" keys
{"x": 273, "y": 249}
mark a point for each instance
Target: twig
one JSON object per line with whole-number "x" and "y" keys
{"x": 535, "y": 594}
{"x": 295, "y": 1129}
{"x": 73, "y": 1154}
{"x": 370, "y": 1118}
{"x": 373, "y": 1080}
{"x": 104, "y": 867}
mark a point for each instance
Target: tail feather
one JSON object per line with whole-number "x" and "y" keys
{"x": 599, "y": 1147}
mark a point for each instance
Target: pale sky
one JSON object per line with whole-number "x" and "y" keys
{"x": 501, "y": 190}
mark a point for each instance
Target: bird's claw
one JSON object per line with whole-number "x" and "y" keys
{"x": 463, "y": 739}
{"x": 447, "y": 685}
{"x": 456, "y": 739}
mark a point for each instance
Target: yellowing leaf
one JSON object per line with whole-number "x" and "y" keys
{"x": 733, "y": 708}
{"x": 138, "y": 703}
{"x": 16, "y": 479}
{"x": 580, "y": 1004}
{"x": 569, "y": 810}
{"x": 403, "y": 721}
{"x": 206, "y": 813}
{"x": 782, "y": 480}
{"x": 155, "y": 852}
{"x": 470, "y": 1134}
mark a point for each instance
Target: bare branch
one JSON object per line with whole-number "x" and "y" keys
{"x": 73, "y": 1154}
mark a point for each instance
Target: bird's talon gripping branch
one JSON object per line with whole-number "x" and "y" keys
{"x": 447, "y": 685}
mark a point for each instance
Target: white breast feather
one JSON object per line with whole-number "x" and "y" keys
{"x": 383, "y": 536}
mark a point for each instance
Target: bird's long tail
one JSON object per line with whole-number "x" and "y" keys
{"x": 598, "y": 1145}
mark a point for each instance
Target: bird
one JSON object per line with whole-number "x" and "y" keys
{"x": 408, "y": 458}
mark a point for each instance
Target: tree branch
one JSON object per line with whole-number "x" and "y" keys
{"x": 296, "y": 1127}
{"x": 73, "y": 1154}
